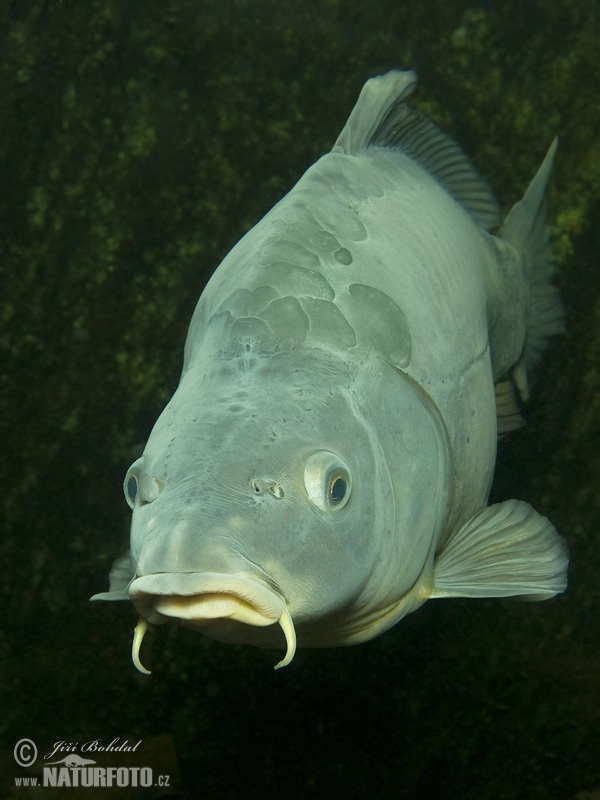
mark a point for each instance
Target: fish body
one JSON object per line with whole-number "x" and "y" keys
{"x": 324, "y": 465}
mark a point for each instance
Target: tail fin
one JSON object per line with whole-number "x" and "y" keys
{"x": 527, "y": 231}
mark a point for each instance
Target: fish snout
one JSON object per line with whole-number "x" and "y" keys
{"x": 222, "y": 605}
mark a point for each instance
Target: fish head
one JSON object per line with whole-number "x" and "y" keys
{"x": 267, "y": 510}
{"x": 250, "y": 502}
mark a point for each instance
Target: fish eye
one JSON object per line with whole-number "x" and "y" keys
{"x": 327, "y": 481}
{"x": 132, "y": 482}
{"x": 337, "y": 490}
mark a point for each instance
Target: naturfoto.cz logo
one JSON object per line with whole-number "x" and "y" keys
{"x": 74, "y": 770}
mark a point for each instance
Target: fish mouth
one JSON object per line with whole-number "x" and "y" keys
{"x": 225, "y": 607}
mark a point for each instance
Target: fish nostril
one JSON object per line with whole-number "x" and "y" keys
{"x": 260, "y": 486}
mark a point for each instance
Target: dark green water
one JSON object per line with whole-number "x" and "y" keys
{"x": 139, "y": 142}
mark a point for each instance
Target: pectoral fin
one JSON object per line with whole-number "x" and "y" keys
{"x": 505, "y": 550}
{"x": 121, "y": 575}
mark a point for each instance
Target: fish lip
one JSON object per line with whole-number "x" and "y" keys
{"x": 265, "y": 599}
{"x": 203, "y": 599}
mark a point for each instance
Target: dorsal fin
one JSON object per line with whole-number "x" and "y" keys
{"x": 376, "y": 98}
{"x": 382, "y": 118}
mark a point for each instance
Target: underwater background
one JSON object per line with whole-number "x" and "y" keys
{"x": 139, "y": 141}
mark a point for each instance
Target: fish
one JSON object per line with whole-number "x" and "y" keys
{"x": 324, "y": 465}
